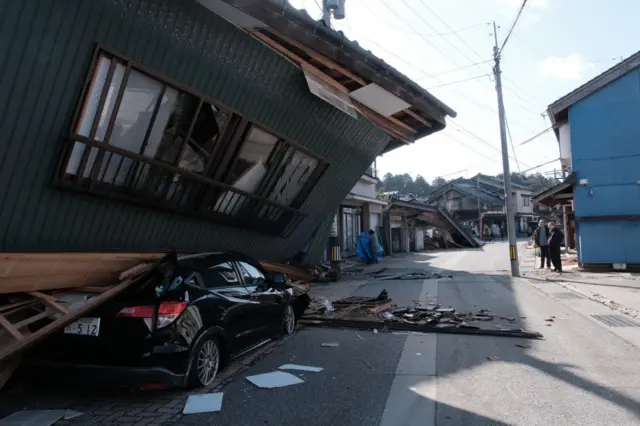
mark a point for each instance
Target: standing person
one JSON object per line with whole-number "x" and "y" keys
{"x": 502, "y": 232}
{"x": 373, "y": 245}
{"x": 555, "y": 244}
{"x": 541, "y": 239}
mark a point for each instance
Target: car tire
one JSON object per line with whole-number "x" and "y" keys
{"x": 204, "y": 361}
{"x": 288, "y": 320}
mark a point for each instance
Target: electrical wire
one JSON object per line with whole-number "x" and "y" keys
{"x": 540, "y": 165}
{"x": 506, "y": 122}
{"x": 483, "y": 141}
{"x": 459, "y": 81}
{"x": 513, "y": 26}
{"x": 535, "y": 136}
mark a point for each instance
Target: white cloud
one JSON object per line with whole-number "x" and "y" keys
{"x": 570, "y": 67}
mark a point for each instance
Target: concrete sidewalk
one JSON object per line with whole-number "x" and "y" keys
{"x": 619, "y": 291}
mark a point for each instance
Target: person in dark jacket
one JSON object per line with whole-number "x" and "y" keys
{"x": 541, "y": 239}
{"x": 555, "y": 244}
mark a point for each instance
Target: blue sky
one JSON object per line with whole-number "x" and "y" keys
{"x": 556, "y": 46}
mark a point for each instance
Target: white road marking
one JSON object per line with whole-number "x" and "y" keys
{"x": 412, "y": 398}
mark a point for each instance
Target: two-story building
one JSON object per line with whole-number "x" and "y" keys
{"x": 598, "y": 130}
{"x": 129, "y": 128}
{"x": 480, "y": 200}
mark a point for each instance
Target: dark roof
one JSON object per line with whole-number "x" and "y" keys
{"x": 333, "y": 44}
{"x": 558, "y": 109}
{"x": 498, "y": 182}
{"x": 546, "y": 196}
{"x": 473, "y": 192}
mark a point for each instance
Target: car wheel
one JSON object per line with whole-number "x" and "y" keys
{"x": 289, "y": 320}
{"x": 205, "y": 361}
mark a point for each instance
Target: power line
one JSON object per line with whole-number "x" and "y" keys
{"x": 442, "y": 53}
{"x": 511, "y": 141}
{"x": 535, "y": 136}
{"x": 495, "y": 148}
{"x": 524, "y": 3}
{"x": 540, "y": 165}
{"x": 459, "y": 81}
{"x": 461, "y": 68}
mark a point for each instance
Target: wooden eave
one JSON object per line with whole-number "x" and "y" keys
{"x": 406, "y": 125}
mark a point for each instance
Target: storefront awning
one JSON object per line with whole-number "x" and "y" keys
{"x": 559, "y": 194}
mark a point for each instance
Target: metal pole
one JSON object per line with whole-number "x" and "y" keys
{"x": 480, "y": 233}
{"x": 326, "y": 14}
{"x": 334, "y": 241}
{"x": 511, "y": 228}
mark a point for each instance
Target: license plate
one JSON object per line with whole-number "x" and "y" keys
{"x": 84, "y": 327}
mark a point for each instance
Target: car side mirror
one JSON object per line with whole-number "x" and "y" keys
{"x": 279, "y": 278}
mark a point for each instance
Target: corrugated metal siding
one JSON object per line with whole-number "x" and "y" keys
{"x": 45, "y": 53}
{"x": 605, "y": 131}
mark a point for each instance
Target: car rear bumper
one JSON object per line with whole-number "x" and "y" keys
{"x": 102, "y": 375}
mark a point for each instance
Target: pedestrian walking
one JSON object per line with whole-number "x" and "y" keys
{"x": 555, "y": 246}
{"x": 541, "y": 239}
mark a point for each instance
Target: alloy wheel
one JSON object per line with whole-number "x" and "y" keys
{"x": 289, "y": 320}
{"x": 208, "y": 361}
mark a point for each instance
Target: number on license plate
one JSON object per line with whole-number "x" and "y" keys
{"x": 84, "y": 327}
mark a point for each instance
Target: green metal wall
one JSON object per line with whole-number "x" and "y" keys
{"x": 46, "y": 48}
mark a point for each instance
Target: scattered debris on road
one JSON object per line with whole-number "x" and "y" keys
{"x": 379, "y": 313}
{"x": 39, "y": 417}
{"x": 493, "y": 358}
{"x": 203, "y": 403}
{"x": 330, "y": 345}
{"x": 276, "y": 379}
{"x": 300, "y": 368}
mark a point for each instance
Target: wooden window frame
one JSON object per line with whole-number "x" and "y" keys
{"x": 233, "y": 133}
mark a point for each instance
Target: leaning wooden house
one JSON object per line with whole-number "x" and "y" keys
{"x": 131, "y": 127}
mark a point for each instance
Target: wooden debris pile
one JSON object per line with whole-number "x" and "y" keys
{"x": 379, "y": 313}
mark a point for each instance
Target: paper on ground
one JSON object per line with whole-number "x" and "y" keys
{"x": 277, "y": 379}
{"x": 33, "y": 418}
{"x": 203, "y": 403}
{"x": 300, "y": 367}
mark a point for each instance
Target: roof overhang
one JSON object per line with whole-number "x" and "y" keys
{"x": 558, "y": 111}
{"x": 395, "y": 104}
{"x": 362, "y": 199}
{"x": 559, "y": 194}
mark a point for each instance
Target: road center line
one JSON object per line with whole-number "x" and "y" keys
{"x": 412, "y": 398}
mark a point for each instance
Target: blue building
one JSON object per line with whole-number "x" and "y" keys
{"x": 598, "y": 128}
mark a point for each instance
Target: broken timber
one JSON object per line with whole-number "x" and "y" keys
{"x": 370, "y": 324}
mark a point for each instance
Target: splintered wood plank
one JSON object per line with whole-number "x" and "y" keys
{"x": 49, "y": 300}
{"x": 10, "y": 328}
{"x": 8, "y": 350}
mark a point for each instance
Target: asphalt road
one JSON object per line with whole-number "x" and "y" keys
{"x": 583, "y": 373}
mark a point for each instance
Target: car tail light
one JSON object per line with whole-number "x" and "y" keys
{"x": 168, "y": 312}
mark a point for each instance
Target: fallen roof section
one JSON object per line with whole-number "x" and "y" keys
{"x": 439, "y": 218}
{"x": 394, "y": 103}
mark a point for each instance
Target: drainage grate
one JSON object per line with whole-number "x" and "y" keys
{"x": 568, "y": 295}
{"x": 616, "y": 320}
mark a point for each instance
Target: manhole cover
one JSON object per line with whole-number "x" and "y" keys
{"x": 617, "y": 320}
{"x": 568, "y": 295}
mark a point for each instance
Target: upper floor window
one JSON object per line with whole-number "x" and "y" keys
{"x": 526, "y": 201}
{"x": 140, "y": 136}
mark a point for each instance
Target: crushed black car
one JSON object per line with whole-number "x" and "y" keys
{"x": 178, "y": 326}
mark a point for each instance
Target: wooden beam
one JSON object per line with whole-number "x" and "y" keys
{"x": 24, "y": 341}
{"x": 318, "y": 57}
{"x": 391, "y": 121}
{"x": 418, "y": 117}
{"x": 10, "y": 328}
{"x": 49, "y": 300}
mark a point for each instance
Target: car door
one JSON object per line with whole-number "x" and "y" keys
{"x": 221, "y": 278}
{"x": 271, "y": 302}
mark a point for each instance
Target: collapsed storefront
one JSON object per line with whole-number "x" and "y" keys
{"x": 410, "y": 226}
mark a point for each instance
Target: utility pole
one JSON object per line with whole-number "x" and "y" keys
{"x": 480, "y": 233}
{"x": 511, "y": 227}
{"x": 335, "y": 6}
